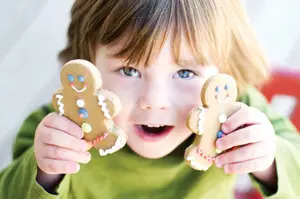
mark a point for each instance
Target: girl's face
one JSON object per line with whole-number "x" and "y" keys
{"x": 155, "y": 100}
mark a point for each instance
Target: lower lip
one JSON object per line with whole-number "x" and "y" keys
{"x": 151, "y": 137}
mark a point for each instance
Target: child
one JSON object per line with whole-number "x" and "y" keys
{"x": 154, "y": 54}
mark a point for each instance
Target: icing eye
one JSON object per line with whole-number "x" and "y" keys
{"x": 226, "y": 87}
{"x": 217, "y": 89}
{"x": 81, "y": 78}
{"x": 71, "y": 78}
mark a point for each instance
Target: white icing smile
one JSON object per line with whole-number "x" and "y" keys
{"x": 222, "y": 100}
{"x": 79, "y": 91}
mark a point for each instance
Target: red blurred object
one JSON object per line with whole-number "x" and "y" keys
{"x": 281, "y": 83}
{"x": 251, "y": 194}
{"x": 285, "y": 83}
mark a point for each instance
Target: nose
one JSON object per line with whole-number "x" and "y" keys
{"x": 154, "y": 96}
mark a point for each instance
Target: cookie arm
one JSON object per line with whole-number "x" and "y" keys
{"x": 57, "y": 101}
{"x": 111, "y": 101}
{"x": 195, "y": 119}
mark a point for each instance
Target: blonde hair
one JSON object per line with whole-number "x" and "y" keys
{"x": 218, "y": 32}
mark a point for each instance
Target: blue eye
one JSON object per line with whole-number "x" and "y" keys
{"x": 217, "y": 89}
{"x": 81, "y": 78}
{"x": 226, "y": 87}
{"x": 71, "y": 78}
{"x": 185, "y": 74}
{"x": 130, "y": 72}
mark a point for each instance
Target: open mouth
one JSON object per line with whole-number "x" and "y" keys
{"x": 79, "y": 90}
{"x": 153, "y": 132}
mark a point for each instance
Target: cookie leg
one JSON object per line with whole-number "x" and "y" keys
{"x": 197, "y": 158}
{"x": 111, "y": 141}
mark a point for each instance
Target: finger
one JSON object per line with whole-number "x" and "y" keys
{"x": 59, "y": 153}
{"x": 250, "y": 134}
{"x": 245, "y": 116}
{"x": 59, "y": 138}
{"x": 249, "y": 166}
{"x": 243, "y": 153}
{"x": 63, "y": 124}
{"x": 52, "y": 166}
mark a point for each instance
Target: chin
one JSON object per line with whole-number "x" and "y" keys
{"x": 152, "y": 154}
{"x": 151, "y": 150}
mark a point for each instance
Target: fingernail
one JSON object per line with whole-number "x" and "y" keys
{"x": 224, "y": 128}
{"x": 84, "y": 146}
{"x": 90, "y": 145}
{"x": 219, "y": 144}
{"x": 226, "y": 169}
{"x": 87, "y": 156}
{"x": 77, "y": 168}
{"x": 218, "y": 164}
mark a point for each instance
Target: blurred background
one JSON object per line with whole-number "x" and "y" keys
{"x": 32, "y": 32}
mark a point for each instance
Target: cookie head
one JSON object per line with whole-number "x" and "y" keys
{"x": 219, "y": 89}
{"x": 80, "y": 76}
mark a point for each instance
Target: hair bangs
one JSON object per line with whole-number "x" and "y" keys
{"x": 144, "y": 27}
{"x": 216, "y": 32}
{"x": 204, "y": 30}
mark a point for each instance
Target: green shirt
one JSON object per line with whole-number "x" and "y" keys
{"x": 124, "y": 174}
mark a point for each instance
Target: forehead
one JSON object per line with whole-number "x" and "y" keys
{"x": 166, "y": 51}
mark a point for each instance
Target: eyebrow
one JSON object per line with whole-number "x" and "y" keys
{"x": 182, "y": 63}
{"x": 114, "y": 56}
{"x": 186, "y": 62}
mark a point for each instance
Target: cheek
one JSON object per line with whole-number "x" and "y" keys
{"x": 127, "y": 105}
{"x": 125, "y": 90}
{"x": 123, "y": 87}
{"x": 127, "y": 95}
{"x": 188, "y": 94}
{"x": 186, "y": 97}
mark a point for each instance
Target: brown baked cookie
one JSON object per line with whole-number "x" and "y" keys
{"x": 82, "y": 100}
{"x": 218, "y": 97}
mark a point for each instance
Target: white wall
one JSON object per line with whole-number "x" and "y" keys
{"x": 32, "y": 32}
{"x": 277, "y": 25}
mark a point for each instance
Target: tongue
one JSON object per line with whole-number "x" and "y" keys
{"x": 154, "y": 130}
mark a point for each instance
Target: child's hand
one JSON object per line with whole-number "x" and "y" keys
{"x": 252, "y": 135}
{"x": 58, "y": 145}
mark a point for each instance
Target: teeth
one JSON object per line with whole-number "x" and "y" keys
{"x": 156, "y": 126}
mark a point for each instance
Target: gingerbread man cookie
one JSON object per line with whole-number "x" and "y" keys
{"x": 82, "y": 100}
{"x": 218, "y": 97}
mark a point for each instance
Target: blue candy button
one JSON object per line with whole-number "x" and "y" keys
{"x": 219, "y": 134}
{"x": 83, "y": 112}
